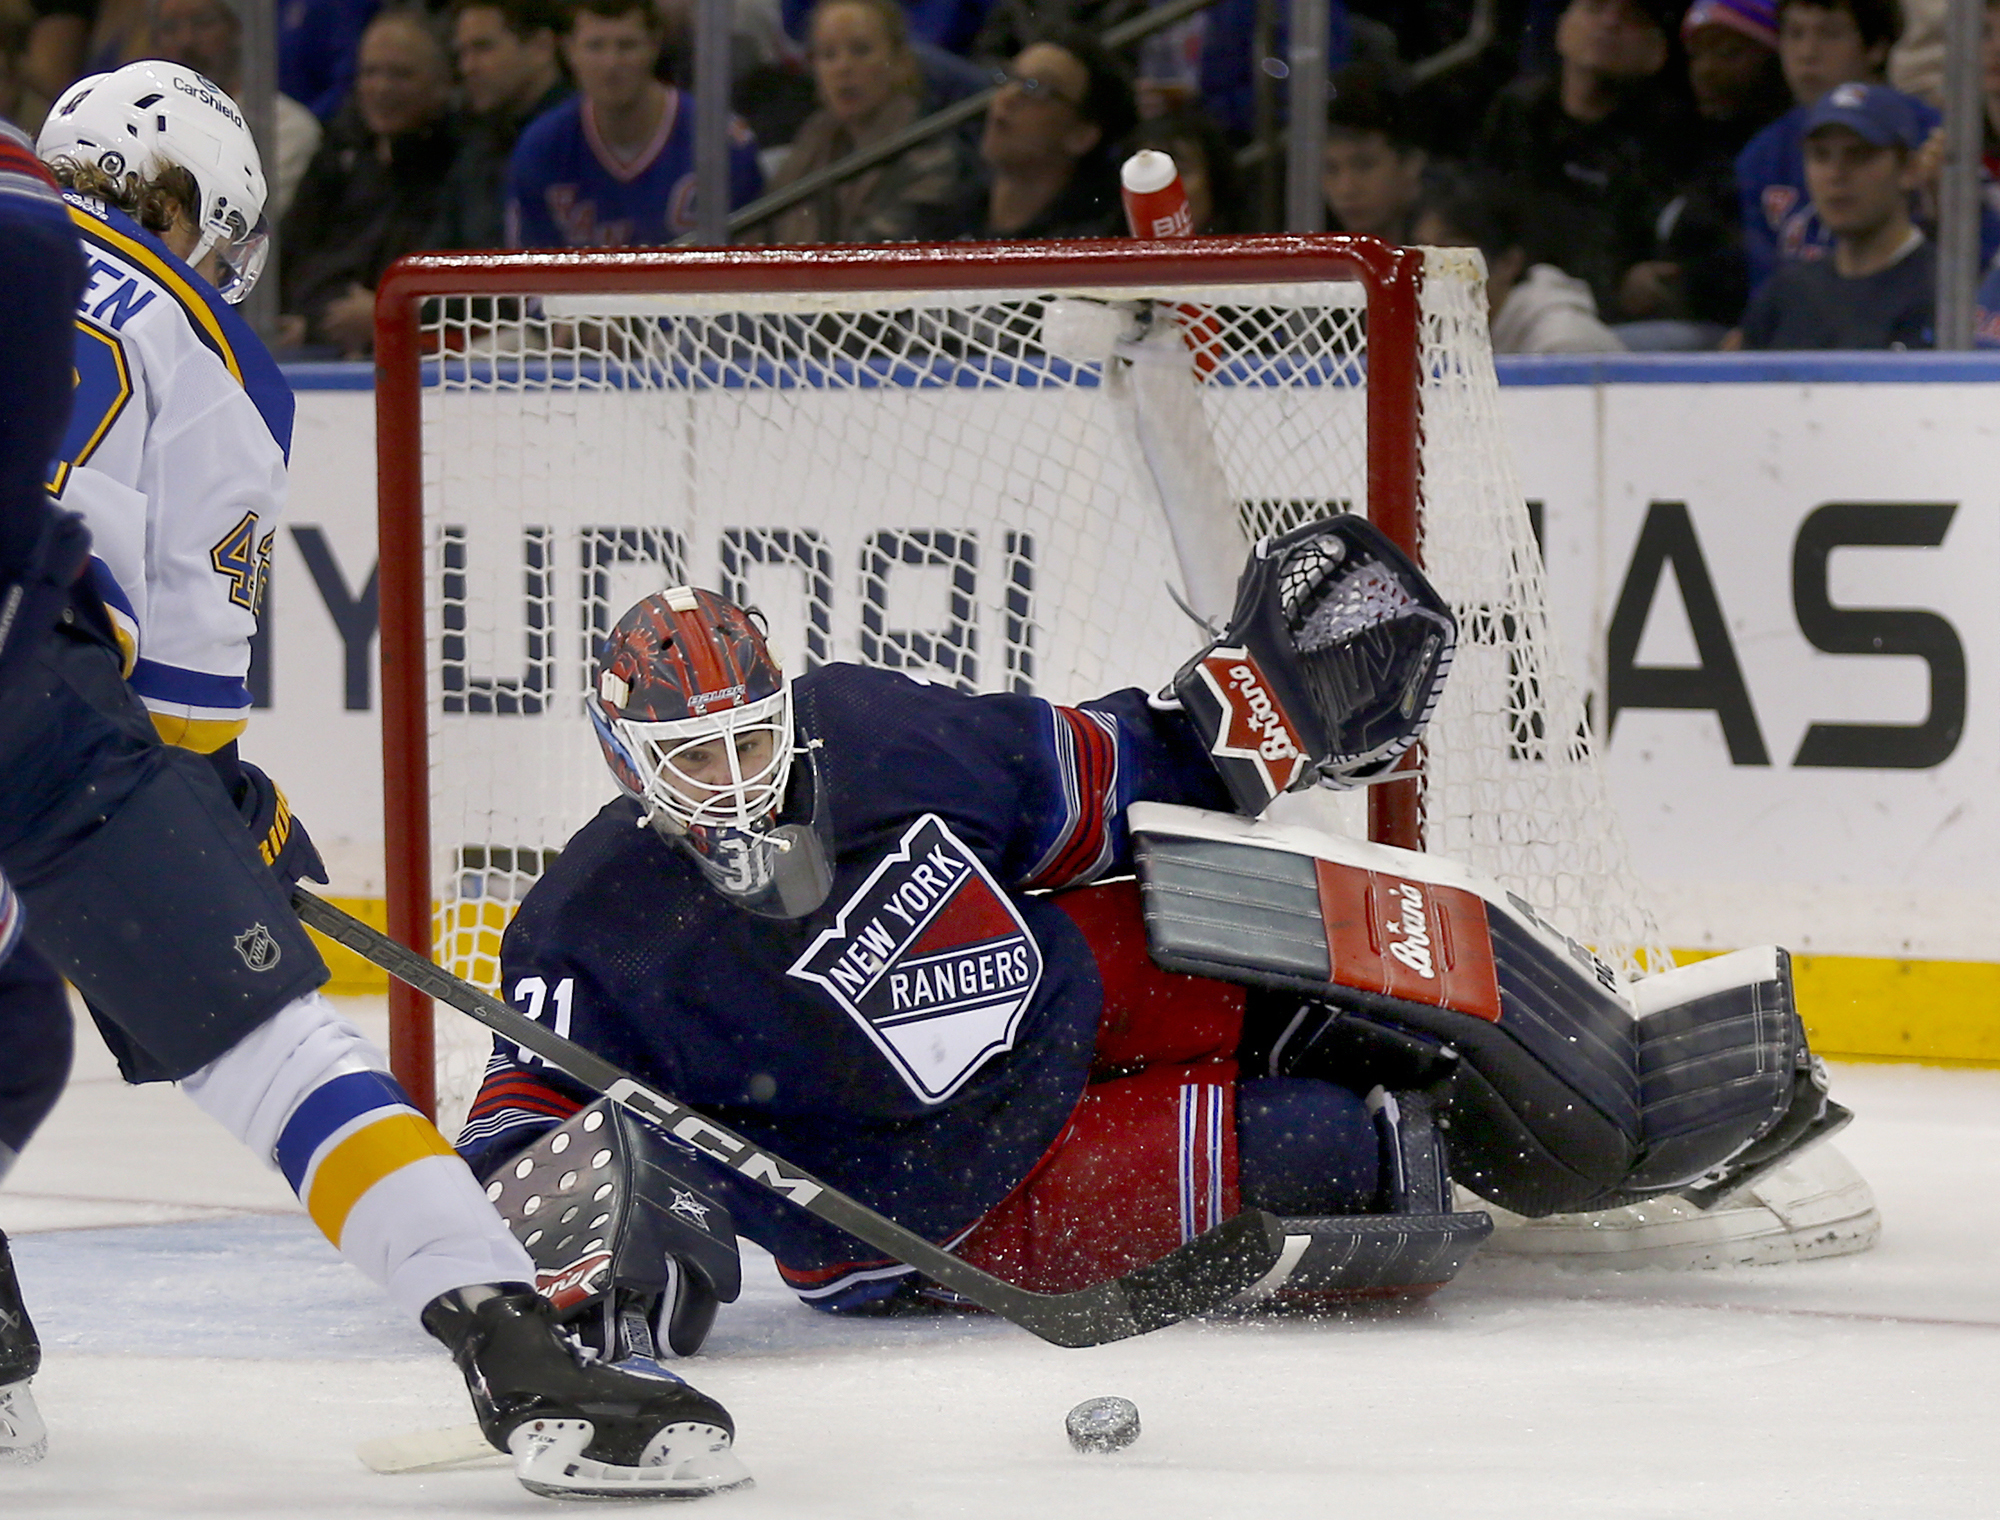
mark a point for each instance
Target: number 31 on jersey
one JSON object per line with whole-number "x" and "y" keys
{"x": 533, "y": 991}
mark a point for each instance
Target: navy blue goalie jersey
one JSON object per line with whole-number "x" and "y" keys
{"x": 922, "y": 1038}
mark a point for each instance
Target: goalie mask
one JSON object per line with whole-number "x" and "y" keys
{"x": 1330, "y": 667}
{"x": 695, "y": 718}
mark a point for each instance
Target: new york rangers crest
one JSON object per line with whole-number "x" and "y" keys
{"x": 931, "y": 959}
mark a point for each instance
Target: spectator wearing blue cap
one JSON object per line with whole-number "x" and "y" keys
{"x": 1877, "y": 287}
{"x": 1821, "y": 44}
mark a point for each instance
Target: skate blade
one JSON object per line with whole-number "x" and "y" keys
{"x": 24, "y": 1439}
{"x": 683, "y": 1461}
{"x": 1816, "y": 1206}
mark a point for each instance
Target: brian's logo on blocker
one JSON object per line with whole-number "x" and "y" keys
{"x": 260, "y": 952}
{"x": 931, "y": 959}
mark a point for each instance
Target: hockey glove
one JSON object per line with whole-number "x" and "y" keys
{"x": 1329, "y": 669}
{"x": 281, "y": 839}
{"x": 624, "y": 1234}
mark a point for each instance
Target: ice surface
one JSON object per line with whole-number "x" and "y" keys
{"x": 209, "y": 1355}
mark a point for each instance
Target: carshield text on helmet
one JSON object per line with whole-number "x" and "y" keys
{"x": 134, "y": 119}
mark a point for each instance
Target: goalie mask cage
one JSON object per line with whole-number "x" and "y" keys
{"x": 984, "y": 465}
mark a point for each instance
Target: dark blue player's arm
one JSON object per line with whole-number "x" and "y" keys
{"x": 521, "y": 1097}
{"x": 1089, "y": 765}
{"x": 41, "y": 270}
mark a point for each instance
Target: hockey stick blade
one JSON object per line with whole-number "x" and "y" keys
{"x": 1201, "y": 1275}
{"x": 424, "y": 1451}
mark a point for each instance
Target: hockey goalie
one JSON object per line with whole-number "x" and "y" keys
{"x": 1041, "y": 984}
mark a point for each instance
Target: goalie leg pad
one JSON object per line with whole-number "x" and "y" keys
{"x": 1722, "y": 1062}
{"x": 616, "y": 1223}
{"x": 1573, "y": 1092}
{"x": 1545, "y": 1114}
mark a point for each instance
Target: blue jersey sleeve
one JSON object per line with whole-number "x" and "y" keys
{"x": 528, "y": 222}
{"x": 746, "y": 176}
{"x": 1097, "y": 760}
{"x": 42, "y": 271}
{"x": 1757, "y": 166}
{"x": 1039, "y": 790}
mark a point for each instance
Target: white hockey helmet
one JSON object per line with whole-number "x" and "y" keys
{"x": 154, "y": 112}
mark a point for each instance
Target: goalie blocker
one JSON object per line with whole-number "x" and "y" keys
{"x": 628, "y": 1248}
{"x": 1572, "y": 1090}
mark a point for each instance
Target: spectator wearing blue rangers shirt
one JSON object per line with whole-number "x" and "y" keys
{"x": 613, "y": 166}
{"x": 1821, "y": 44}
{"x": 1877, "y": 287}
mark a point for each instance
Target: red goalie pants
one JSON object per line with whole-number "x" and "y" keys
{"x": 1148, "y": 1159}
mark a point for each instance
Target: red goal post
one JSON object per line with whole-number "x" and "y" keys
{"x": 500, "y": 375}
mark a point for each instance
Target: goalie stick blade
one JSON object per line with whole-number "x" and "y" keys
{"x": 423, "y": 1451}
{"x": 1192, "y": 1279}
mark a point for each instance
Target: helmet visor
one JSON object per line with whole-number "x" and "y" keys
{"x": 241, "y": 261}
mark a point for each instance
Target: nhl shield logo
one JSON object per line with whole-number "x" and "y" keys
{"x": 260, "y": 952}
{"x": 931, "y": 959}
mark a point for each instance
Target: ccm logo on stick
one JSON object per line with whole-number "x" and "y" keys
{"x": 713, "y": 1142}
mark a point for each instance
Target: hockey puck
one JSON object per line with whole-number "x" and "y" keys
{"x": 1104, "y": 1424}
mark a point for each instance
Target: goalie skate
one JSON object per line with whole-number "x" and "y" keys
{"x": 1816, "y": 1205}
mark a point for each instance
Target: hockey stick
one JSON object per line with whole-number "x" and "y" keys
{"x": 1201, "y": 1275}
{"x": 424, "y": 1451}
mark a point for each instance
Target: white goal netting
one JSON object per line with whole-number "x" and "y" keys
{"x": 994, "y": 488}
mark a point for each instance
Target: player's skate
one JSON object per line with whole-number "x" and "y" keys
{"x": 23, "y": 1437}
{"x": 579, "y": 1427}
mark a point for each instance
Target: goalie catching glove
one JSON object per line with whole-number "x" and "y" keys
{"x": 1329, "y": 669}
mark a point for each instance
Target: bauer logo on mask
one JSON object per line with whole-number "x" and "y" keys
{"x": 931, "y": 959}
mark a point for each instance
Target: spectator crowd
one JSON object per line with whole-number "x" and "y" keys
{"x": 1642, "y": 174}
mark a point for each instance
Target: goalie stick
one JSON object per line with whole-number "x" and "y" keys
{"x": 1198, "y": 1276}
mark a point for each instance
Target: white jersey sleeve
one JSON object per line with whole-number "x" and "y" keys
{"x": 176, "y": 457}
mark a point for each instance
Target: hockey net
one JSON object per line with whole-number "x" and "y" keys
{"x": 935, "y": 460}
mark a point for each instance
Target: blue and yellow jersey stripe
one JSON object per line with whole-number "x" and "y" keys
{"x": 218, "y": 325}
{"x": 349, "y": 1134}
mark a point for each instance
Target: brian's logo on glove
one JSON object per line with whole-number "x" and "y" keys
{"x": 1253, "y": 726}
{"x": 931, "y": 958}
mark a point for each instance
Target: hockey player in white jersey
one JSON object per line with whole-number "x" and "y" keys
{"x": 174, "y": 457}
